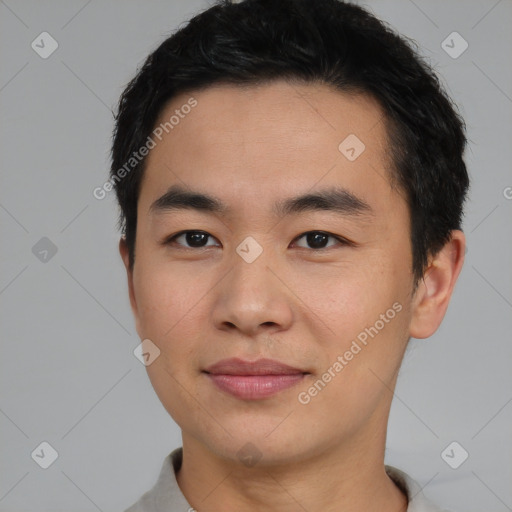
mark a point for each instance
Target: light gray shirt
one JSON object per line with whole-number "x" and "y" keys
{"x": 166, "y": 496}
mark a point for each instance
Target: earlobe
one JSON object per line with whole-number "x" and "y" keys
{"x": 435, "y": 289}
{"x": 124, "y": 252}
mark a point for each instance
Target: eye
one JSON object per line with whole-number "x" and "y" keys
{"x": 195, "y": 239}
{"x": 319, "y": 240}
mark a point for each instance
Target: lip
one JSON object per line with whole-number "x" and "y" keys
{"x": 253, "y": 380}
{"x": 236, "y": 366}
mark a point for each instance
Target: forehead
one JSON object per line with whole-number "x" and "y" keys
{"x": 279, "y": 110}
{"x": 269, "y": 140}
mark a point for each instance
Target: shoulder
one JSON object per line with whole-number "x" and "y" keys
{"x": 165, "y": 494}
{"x": 418, "y": 502}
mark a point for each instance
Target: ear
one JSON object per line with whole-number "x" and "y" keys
{"x": 123, "y": 250}
{"x": 434, "y": 291}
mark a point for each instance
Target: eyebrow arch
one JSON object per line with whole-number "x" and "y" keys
{"x": 336, "y": 199}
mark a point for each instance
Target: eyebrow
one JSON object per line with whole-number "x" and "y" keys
{"x": 335, "y": 199}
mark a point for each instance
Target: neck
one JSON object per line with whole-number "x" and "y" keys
{"x": 349, "y": 477}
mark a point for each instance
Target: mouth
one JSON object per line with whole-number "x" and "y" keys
{"x": 253, "y": 380}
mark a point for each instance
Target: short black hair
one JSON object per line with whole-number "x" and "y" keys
{"x": 313, "y": 42}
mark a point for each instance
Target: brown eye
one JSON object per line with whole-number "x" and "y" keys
{"x": 318, "y": 240}
{"x": 190, "y": 239}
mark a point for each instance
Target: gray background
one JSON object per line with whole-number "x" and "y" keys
{"x": 68, "y": 373}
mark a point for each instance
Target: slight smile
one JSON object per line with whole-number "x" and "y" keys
{"x": 254, "y": 380}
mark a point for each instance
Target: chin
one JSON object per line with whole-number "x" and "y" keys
{"x": 260, "y": 444}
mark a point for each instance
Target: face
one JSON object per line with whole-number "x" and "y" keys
{"x": 302, "y": 256}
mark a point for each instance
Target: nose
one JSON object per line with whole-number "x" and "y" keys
{"x": 253, "y": 298}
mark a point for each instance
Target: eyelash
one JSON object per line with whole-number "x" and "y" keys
{"x": 342, "y": 241}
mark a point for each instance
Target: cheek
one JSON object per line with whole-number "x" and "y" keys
{"x": 345, "y": 297}
{"x": 170, "y": 314}
{"x": 168, "y": 304}
{"x": 364, "y": 312}
{"x": 361, "y": 365}
{"x": 166, "y": 299}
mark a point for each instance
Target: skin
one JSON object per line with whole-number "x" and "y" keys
{"x": 251, "y": 147}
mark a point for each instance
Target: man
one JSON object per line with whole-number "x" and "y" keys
{"x": 291, "y": 184}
